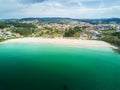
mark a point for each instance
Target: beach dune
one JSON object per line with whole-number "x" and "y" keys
{"x": 61, "y": 41}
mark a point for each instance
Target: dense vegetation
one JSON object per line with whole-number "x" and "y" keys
{"x": 21, "y": 25}
{"x": 73, "y": 32}
{"x": 113, "y": 38}
{"x": 16, "y": 24}
{"x": 23, "y": 31}
{"x": 2, "y": 39}
{"x": 22, "y": 28}
{"x": 4, "y": 25}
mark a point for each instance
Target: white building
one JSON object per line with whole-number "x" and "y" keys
{"x": 8, "y": 33}
{"x": 117, "y": 29}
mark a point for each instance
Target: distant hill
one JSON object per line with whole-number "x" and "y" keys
{"x": 68, "y": 20}
{"x": 49, "y": 20}
{"x": 103, "y": 21}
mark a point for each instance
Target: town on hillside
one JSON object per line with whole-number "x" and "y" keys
{"x": 82, "y": 30}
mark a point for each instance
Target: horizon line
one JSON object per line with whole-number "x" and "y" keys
{"x": 59, "y": 17}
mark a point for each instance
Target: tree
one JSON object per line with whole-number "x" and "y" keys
{"x": 23, "y": 31}
{"x": 69, "y": 33}
{"x": 73, "y": 32}
{"x": 77, "y": 29}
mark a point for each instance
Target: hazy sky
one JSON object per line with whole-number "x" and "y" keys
{"x": 60, "y": 8}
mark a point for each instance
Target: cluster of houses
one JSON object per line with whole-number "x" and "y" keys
{"x": 54, "y": 25}
{"x": 90, "y": 30}
{"x": 96, "y": 30}
{"x": 5, "y": 33}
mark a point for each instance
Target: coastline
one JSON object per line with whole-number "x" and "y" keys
{"x": 62, "y": 41}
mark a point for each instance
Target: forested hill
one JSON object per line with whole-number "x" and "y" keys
{"x": 69, "y": 20}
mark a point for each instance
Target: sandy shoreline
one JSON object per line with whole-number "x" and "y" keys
{"x": 62, "y": 41}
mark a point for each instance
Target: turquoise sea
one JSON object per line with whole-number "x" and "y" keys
{"x": 53, "y": 67}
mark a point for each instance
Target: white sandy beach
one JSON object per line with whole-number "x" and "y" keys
{"x": 62, "y": 41}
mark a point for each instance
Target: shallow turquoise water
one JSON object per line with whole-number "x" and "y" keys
{"x": 50, "y": 67}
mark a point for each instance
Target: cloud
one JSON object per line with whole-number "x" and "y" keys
{"x": 31, "y": 1}
{"x": 59, "y": 8}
